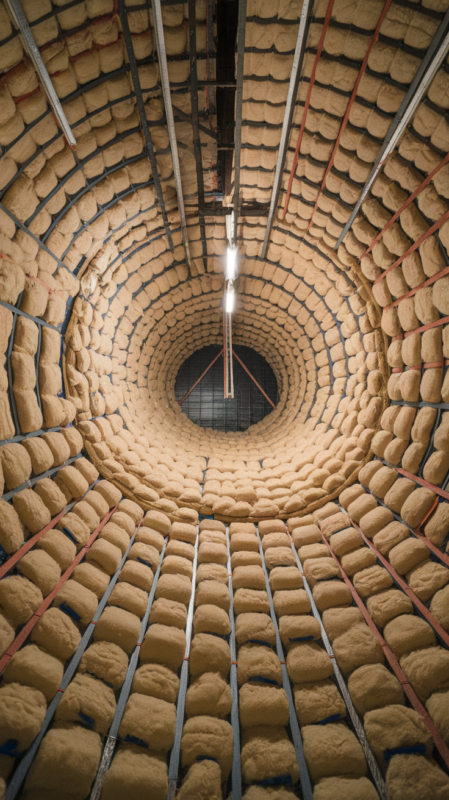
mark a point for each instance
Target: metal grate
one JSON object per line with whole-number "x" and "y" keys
{"x": 206, "y": 405}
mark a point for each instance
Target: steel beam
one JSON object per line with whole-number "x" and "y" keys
{"x": 33, "y": 51}
{"x": 427, "y": 69}
{"x": 298, "y": 59}
{"x": 162, "y": 58}
{"x": 143, "y": 117}
{"x": 273, "y": 405}
{"x": 201, "y": 377}
{"x": 241, "y": 27}
{"x": 195, "y": 124}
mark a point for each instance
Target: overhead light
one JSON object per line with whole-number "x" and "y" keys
{"x": 229, "y": 300}
{"x": 231, "y": 263}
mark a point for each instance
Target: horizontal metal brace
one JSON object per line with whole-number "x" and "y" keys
{"x": 220, "y": 84}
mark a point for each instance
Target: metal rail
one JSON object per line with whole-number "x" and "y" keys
{"x": 195, "y": 124}
{"x": 354, "y": 717}
{"x": 241, "y": 26}
{"x": 162, "y": 57}
{"x": 32, "y": 49}
{"x": 111, "y": 741}
{"x": 431, "y": 62}
{"x": 298, "y": 59}
{"x": 236, "y": 776}
{"x": 173, "y": 767}
{"x": 143, "y": 118}
{"x": 306, "y": 785}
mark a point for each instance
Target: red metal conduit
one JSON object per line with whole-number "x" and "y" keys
{"x": 350, "y": 104}
{"x": 405, "y": 587}
{"x": 436, "y": 324}
{"x": 394, "y": 664}
{"x": 428, "y": 282}
{"x": 26, "y": 630}
{"x": 414, "y": 194}
{"x": 426, "y": 365}
{"x": 421, "y": 481}
{"x": 415, "y": 246}
{"x": 307, "y": 103}
{"x": 15, "y": 557}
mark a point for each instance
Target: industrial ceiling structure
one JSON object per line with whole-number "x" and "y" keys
{"x": 234, "y": 177}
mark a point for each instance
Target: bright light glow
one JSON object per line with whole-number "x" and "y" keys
{"x": 229, "y": 300}
{"x": 231, "y": 263}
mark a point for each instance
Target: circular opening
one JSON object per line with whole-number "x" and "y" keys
{"x": 205, "y": 404}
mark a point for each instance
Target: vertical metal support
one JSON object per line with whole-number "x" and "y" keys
{"x": 163, "y": 69}
{"x": 227, "y": 357}
{"x": 143, "y": 117}
{"x": 196, "y": 125}
{"x": 288, "y": 116}
{"x": 241, "y": 26}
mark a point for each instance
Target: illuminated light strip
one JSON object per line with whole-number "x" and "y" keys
{"x": 414, "y": 246}
{"x": 391, "y": 658}
{"x": 350, "y": 104}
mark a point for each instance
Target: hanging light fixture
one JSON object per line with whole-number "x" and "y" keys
{"x": 229, "y": 299}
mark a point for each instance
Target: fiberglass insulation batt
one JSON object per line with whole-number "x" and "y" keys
{"x": 136, "y": 772}
{"x": 65, "y": 765}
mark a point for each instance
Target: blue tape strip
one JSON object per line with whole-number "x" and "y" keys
{"x": 99, "y": 679}
{"x": 417, "y": 749}
{"x": 332, "y": 718}
{"x": 261, "y": 679}
{"x": 206, "y": 758}
{"x": 279, "y": 780}
{"x": 69, "y": 535}
{"x": 88, "y": 720}
{"x": 9, "y": 748}
{"x": 3, "y": 555}
{"x": 69, "y": 611}
{"x": 143, "y": 561}
{"x": 260, "y": 641}
{"x": 302, "y": 639}
{"x": 134, "y": 740}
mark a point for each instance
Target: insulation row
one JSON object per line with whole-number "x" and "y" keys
{"x": 390, "y": 724}
{"x": 36, "y": 664}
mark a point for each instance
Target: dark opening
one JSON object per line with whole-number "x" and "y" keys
{"x": 206, "y": 405}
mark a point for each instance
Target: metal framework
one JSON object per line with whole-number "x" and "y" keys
{"x": 162, "y": 58}
{"x": 142, "y": 114}
{"x": 241, "y": 27}
{"x": 288, "y": 116}
{"x": 201, "y": 376}
{"x": 195, "y": 124}
{"x": 431, "y": 62}
{"x": 32, "y": 49}
{"x": 228, "y": 372}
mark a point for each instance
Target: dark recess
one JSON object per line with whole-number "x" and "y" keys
{"x": 206, "y": 405}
